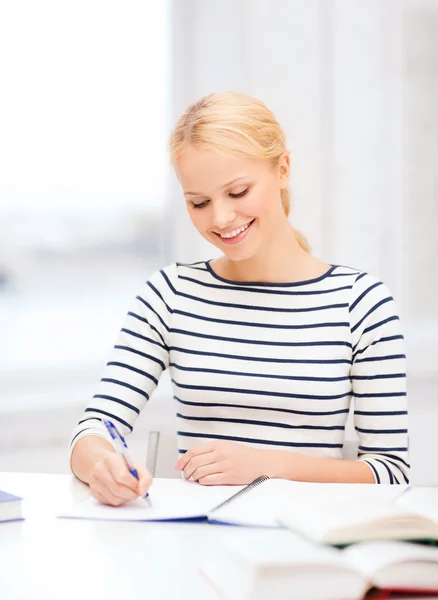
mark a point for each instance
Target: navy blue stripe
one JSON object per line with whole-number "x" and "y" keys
{"x": 378, "y": 413}
{"x": 119, "y": 401}
{"x": 377, "y": 358}
{"x": 143, "y": 337}
{"x": 233, "y": 438}
{"x": 242, "y": 306}
{"x": 262, "y": 423}
{"x": 381, "y": 431}
{"x": 391, "y": 338}
{"x": 143, "y": 354}
{"x": 391, "y": 457}
{"x": 380, "y": 376}
{"x": 134, "y": 370}
{"x": 391, "y": 476}
{"x": 363, "y": 294}
{"x": 381, "y": 395}
{"x": 79, "y": 433}
{"x": 126, "y": 385}
{"x": 293, "y": 361}
{"x": 375, "y": 326}
{"x": 258, "y": 392}
{"x": 104, "y": 412}
{"x": 265, "y": 408}
{"x": 158, "y": 293}
{"x": 239, "y": 374}
{"x": 271, "y": 284}
{"x": 152, "y": 309}
{"x": 380, "y": 323}
{"x": 352, "y": 274}
{"x": 261, "y": 290}
{"x": 193, "y": 264}
{"x": 360, "y": 276}
{"x": 88, "y": 419}
{"x": 266, "y": 325}
{"x": 368, "y": 449}
{"x": 257, "y": 342}
{"x": 375, "y": 307}
{"x": 374, "y": 470}
{"x": 398, "y": 467}
{"x": 144, "y": 320}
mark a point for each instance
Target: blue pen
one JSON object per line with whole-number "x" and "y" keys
{"x": 121, "y": 448}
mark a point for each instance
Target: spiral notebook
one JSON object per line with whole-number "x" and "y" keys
{"x": 257, "y": 504}
{"x": 169, "y": 500}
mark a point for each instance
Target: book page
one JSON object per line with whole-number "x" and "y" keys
{"x": 370, "y": 557}
{"x": 168, "y": 499}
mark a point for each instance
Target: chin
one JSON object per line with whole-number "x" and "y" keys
{"x": 239, "y": 254}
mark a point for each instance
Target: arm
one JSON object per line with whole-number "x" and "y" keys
{"x": 139, "y": 357}
{"x": 378, "y": 376}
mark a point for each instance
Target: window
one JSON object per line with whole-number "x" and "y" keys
{"x": 83, "y": 177}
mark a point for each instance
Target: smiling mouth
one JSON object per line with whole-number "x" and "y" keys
{"x": 236, "y": 234}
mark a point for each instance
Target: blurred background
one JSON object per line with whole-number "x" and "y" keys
{"x": 89, "y": 206}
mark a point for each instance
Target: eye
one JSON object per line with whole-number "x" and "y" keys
{"x": 200, "y": 205}
{"x": 240, "y": 194}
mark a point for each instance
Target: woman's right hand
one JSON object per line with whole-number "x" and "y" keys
{"x": 111, "y": 483}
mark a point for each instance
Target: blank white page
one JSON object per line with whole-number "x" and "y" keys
{"x": 169, "y": 499}
{"x": 263, "y": 505}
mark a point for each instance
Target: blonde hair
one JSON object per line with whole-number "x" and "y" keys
{"x": 236, "y": 123}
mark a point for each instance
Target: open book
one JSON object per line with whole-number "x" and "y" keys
{"x": 257, "y": 504}
{"x": 250, "y": 565}
{"x": 413, "y": 515}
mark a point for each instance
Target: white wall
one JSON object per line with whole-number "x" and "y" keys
{"x": 354, "y": 84}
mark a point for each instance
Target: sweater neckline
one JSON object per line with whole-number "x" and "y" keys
{"x": 266, "y": 284}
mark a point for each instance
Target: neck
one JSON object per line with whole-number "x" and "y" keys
{"x": 281, "y": 261}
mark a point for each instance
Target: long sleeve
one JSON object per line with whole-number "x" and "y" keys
{"x": 378, "y": 376}
{"x": 138, "y": 358}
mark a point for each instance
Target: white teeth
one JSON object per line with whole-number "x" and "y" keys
{"x": 236, "y": 232}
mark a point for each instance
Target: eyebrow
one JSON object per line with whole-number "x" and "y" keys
{"x": 223, "y": 187}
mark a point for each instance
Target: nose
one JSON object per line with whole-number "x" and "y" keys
{"x": 223, "y": 214}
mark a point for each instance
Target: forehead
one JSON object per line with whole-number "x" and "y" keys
{"x": 202, "y": 170}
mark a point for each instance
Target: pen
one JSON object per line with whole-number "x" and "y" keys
{"x": 122, "y": 450}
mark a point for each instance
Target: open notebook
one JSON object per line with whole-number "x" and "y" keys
{"x": 250, "y": 565}
{"x": 257, "y": 504}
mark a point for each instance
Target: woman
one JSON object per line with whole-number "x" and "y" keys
{"x": 266, "y": 345}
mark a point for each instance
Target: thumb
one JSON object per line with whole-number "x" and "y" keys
{"x": 144, "y": 480}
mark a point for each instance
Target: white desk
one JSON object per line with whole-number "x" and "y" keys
{"x": 44, "y": 557}
{"x": 63, "y": 559}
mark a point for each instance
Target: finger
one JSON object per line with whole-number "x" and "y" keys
{"x": 144, "y": 480}
{"x": 121, "y": 474}
{"x": 106, "y": 497}
{"x": 102, "y": 479}
{"x": 205, "y": 471}
{"x": 213, "y": 479}
{"x": 184, "y": 459}
{"x": 198, "y": 461}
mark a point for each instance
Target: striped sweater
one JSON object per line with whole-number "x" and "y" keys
{"x": 273, "y": 365}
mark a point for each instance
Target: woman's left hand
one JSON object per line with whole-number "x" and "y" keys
{"x": 223, "y": 463}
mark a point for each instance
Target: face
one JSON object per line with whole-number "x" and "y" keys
{"x": 233, "y": 202}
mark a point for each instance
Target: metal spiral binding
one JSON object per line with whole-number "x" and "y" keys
{"x": 245, "y": 490}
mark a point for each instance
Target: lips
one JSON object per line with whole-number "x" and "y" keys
{"x": 237, "y": 238}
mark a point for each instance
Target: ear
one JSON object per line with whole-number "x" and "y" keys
{"x": 284, "y": 169}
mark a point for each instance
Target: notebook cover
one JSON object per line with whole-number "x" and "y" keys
{"x": 5, "y": 497}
